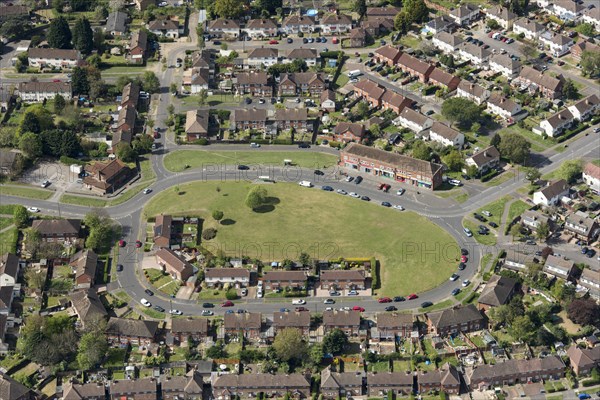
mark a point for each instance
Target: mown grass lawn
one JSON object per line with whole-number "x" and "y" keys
{"x": 5, "y": 222}
{"x": 24, "y": 191}
{"x": 517, "y": 208}
{"x": 496, "y": 208}
{"x": 177, "y": 160}
{"x": 325, "y": 225}
{"x": 7, "y": 209}
{"x": 8, "y": 240}
{"x": 488, "y": 240}
{"x": 83, "y": 200}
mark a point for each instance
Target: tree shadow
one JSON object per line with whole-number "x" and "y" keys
{"x": 272, "y": 201}
{"x": 227, "y": 222}
{"x": 181, "y": 193}
{"x": 265, "y": 208}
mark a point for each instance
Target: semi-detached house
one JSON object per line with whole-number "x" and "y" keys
{"x": 415, "y": 67}
{"x": 346, "y": 321}
{"x": 557, "y": 123}
{"x": 283, "y": 279}
{"x": 239, "y": 277}
{"x": 224, "y": 28}
{"x": 394, "y": 325}
{"x": 370, "y": 91}
{"x": 459, "y": 319}
{"x": 580, "y": 225}
{"x": 505, "y": 65}
{"x": 379, "y": 384}
{"x": 336, "y": 24}
{"x": 443, "y": 79}
{"x": 260, "y": 28}
{"x": 558, "y": 267}
{"x": 342, "y": 279}
{"x": 590, "y": 281}
{"x": 136, "y": 332}
{"x": 465, "y": 14}
{"x": 292, "y": 319}
{"x": 447, "y": 42}
{"x": 551, "y": 194}
{"x": 473, "y": 53}
{"x": 250, "y": 118}
{"x": 502, "y": 15}
{"x": 263, "y": 57}
{"x": 230, "y": 386}
{"x": 387, "y": 54}
{"x": 485, "y": 159}
{"x": 558, "y": 44}
{"x": 567, "y": 10}
{"x": 472, "y": 91}
{"x": 310, "y": 56}
{"x": 248, "y": 324}
{"x": 413, "y": 120}
{"x": 335, "y": 385}
{"x": 530, "y": 29}
{"x": 504, "y": 107}
{"x": 534, "y": 81}
{"x": 591, "y": 176}
{"x": 585, "y": 108}
{"x": 255, "y": 84}
{"x": 446, "y": 135}
{"x": 296, "y": 23}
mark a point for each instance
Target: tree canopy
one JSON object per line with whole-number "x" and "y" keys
{"x": 83, "y": 37}
{"x": 59, "y": 33}
{"x": 570, "y": 91}
{"x": 584, "y": 312}
{"x": 289, "y": 344}
{"x": 335, "y": 342}
{"x": 515, "y": 148}
{"x": 228, "y": 8}
{"x": 150, "y": 82}
{"x": 570, "y": 170}
{"x": 256, "y": 197}
{"x": 462, "y": 111}
{"x": 421, "y": 150}
{"x": 590, "y": 63}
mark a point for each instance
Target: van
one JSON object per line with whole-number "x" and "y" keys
{"x": 307, "y": 184}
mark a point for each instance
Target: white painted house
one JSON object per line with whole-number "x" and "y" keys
{"x": 558, "y": 44}
{"x": 530, "y": 29}
{"x": 239, "y": 277}
{"x": 505, "y": 65}
{"x": 445, "y": 135}
{"x": 551, "y": 194}
{"x": 472, "y": 91}
{"x": 37, "y": 92}
{"x": 413, "y": 120}
{"x": 591, "y": 176}
{"x": 263, "y": 57}
{"x": 53, "y": 58}
{"x": 585, "y": 108}
{"x": 558, "y": 123}
{"x": 447, "y": 42}
{"x": 502, "y": 106}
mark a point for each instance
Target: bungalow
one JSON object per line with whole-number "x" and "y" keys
{"x": 394, "y": 325}
{"x": 502, "y": 15}
{"x": 388, "y": 55}
{"x": 370, "y": 91}
{"x": 10, "y": 268}
{"x": 57, "y": 230}
{"x": 413, "y": 120}
{"x": 517, "y": 261}
{"x": 548, "y": 86}
{"x": 184, "y": 329}
{"x": 534, "y": 219}
{"x": 567, "y": 10}
{"x": 443, "y": 23}
{"x": 445, "y": 379}
{"x": 37, "y": 92}
{"x": 296, "y": 23}
{"x": 249, "y": 324}
{"x": 558, "y": 267}
{"x": 497, "y": 292}
{"x": 231, "y": 386}
{"x": 443, "y": 80}
{"x": 591, "y": 176}
{"x": 328, "y": 100}
{"x": 530, "y": 29}
{"x": 85, "y": 391}
{"x": 116, "y": 24}
{"x": 292, "y": 118}
{"x": 292, "y": 319}
{"x": 346, "y": 132}
{"x": 358, "y": 37}
{"x": 107, "y": 176}
{"x": 284, "y": 279}
{"x": 473, "y": 53}
{"x": 592, "y": 16}
{"x": 256, "y": 84}
{"x": 401, "y": 168}
{"x": 53, "y": 58}
{"x": 515, "y": 371}
{"x": 505, "y": 65}
{"x": 249, "y": 119}
{"x": 343, "y": 279}
{"x": 559, "y": 122}
{"x": 263, "y": 57}
{"x": 590, "y": 281}
{"x": 138, "y": 45}
{"x": 135, "y": 332}
{"x": 302, "y": 83}
{"x": 446, "y": 135}
{"x": 87, "y": 306}
{"x": 558, "y": 44}
{"x": 310, "y": 56}
{"x": 446, "y": 42}
{"x": 379, "y": 384}
{"x": 84, "y": 264}
{"x": 459, "y": 319}
{"x": 196, "y": 124}
{"x": 465, "y": 14}
{"x": 131, "y": 95}
{"x": 260, "y": 28}
{"x": 472, "y": 91}
{"x": 581, "y": 226}
{"x": 551, "y": 194}
{"x": 583, "y": 360}
{"x": 395, "y": 102}
{"x": 336, "y": 24}
{"x": 346, "y": 321}
{"x": 239, "y": 277}
{"x": 164, "y": 27}
{"x": 485, "y": 159}
{"x": 585, "y": 108}
{"x": 224, "y": 28}
{"x": 142, "y": 389}
{"x": 499, "y": 105}
{"x": 174, "y": 264}
{"x": 415, "y": 67}
{"x": 336, "y": 385}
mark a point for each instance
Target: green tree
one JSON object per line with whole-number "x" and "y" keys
{"x": 20, "y": 217}
{"x": 515, "y": 230}
{"x": 270, "y": 6}
{"x": 515, "y": 148}
{"x": 173, "y": 88}
{"x": 543, "y": 231}
{"x": 496, "y": 140}
{"x": 493, "y": 24}
{"x": 304, "y": 259}
{"x": 360, "y": 7}
{"x": 417, "y": 10}
{"x": 256, "y": 197}
{"x": 217, "y": 215}
{"x": 522, "y": 328}
{"x": 228, "y": 8}
{"x": 91, "y": 350}
{"x": 59, "y": 33}
{"x": 454, "y": 160}
{"x": 59, "y": 104}
{"x": 335, "y": 342}
{"x": 202, "y": 97}
{"x": 231, "y": 294}
{"x": 462, "y": 111}
{"x": 79, "y": 81}
{"x": 315, "y": 354}
{"x": 570, "y": 170}
{"x": 57, "y": 142}
{"x": 217, "y": 351}
{"x": 83, "y": 37}
{"x": 590, "y": 63}
{"x": 402, "y": 22}
{"x": 289, "y": 344}
{"x": 570, "y": 91}
{"x": 30, "y": 123}
{"x": 150, "y": 82}
{"x": 99, "y": 40}
{"x": 362, "y": 110}
{"x": 586, "y": 29}
{"x": 421, "y": 150}
{"x": 125, "y": 152}
{"x": 102, "y": 231}
{"x": 532, "y": 174}
{"x": 31, "y": 145}
{"x": 584, "y": 312}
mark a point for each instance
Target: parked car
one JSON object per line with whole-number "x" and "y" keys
{"x": 147, "y": 191}
{"x": 386, "y": 204}
{"x": 464, "y": 252}
{"x": 400, "y": 192}
{"x": 342, "y": 191}
{"x": 384, "y": 300}
{"x": 353, "y": 293}
{"x": 122, "y": 243}
{"x": 349, "y": 178}
{"x": 159, "y": 309}
{"x": 353, "y": 194}
{"x": 412, "y": 296}
{"x": 398, "y": 207}
{"x": 358, "y": 308}
{"x": 463, "y": 258}
{"x": 468, "y": 232}
{"x": 493, "y": 224}
{"x": 453, "y": 277}
{"x": 177, "y": 312}
{"x": 327, "y": 188}
{"x": 358, "y": 180}
{"x": 298, "y": 301}
{"x": 426, "y": 304}
{"x": 227, "y": 303}
{"x": 145, "y": 303}
{"x": 33, "y": 209}
{"x": 208, "y": 305}
{"x": 119, "y": 267}
{"x": 329, "y": 301}
{"x": 207, "y": 313}
{"x": 45, "y": 184}
{"x": 455, "y": 291}
{"x": 290, "y": 40}
{"x": 462, "y": 266}
{"x": 138, "y": 244}
{"x": 283, "y": 309}
{"x": 399, "y": 298}
{"x": 273, "y": 41}
{"x": 365, "y": 198}
{"x": 391, "y": 308}
{"x": 466, "y": 283}
{"x": 590, "y": 253}
{"x": 301, "y": 309}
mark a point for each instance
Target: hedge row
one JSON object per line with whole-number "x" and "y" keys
{"x": 571, "y": 133}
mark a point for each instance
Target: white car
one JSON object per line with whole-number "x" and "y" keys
{"x": 398, "y": 207}
{"x": 147, "y": 190}
{"x": 345, "y": 308}
{"x": 175, "y": 312}
{"x": 329, "y": 309}
{"x": 487, "y": 213}
{"x": 400, "y": 192}
{"x": 145, "y": 303}
{"x": 298, "y": 302}
{"x": 33, "y": 209}
{"x": 453, "y": 277}
{"x": 455, "y": 182}
{"x": 45, "y": 184}
{"x": 353, "y": 194}
{"x": 342, "y": 191}
{"x": 353, "y": 293}
{"x": 466, "y": 283}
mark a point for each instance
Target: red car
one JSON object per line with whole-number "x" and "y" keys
{"x": 384, "y": 300}
{"x": 273, "y": 42}
{"x": 412, "y": 296}
{"x": 358, "y": 308}
{"x": 301, "y": 309}
{"x": 138, "y": 244}
{"x": 228, "y": 303}
{"x": 463, "y": 258}
{"x": 56, "y": 80}
{"x": 122, "y": 243}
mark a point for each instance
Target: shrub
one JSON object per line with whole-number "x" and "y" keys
{"x": 209, "y": 233}
{"x": 231, "y": 294}
{"x": 201, "y": 141}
